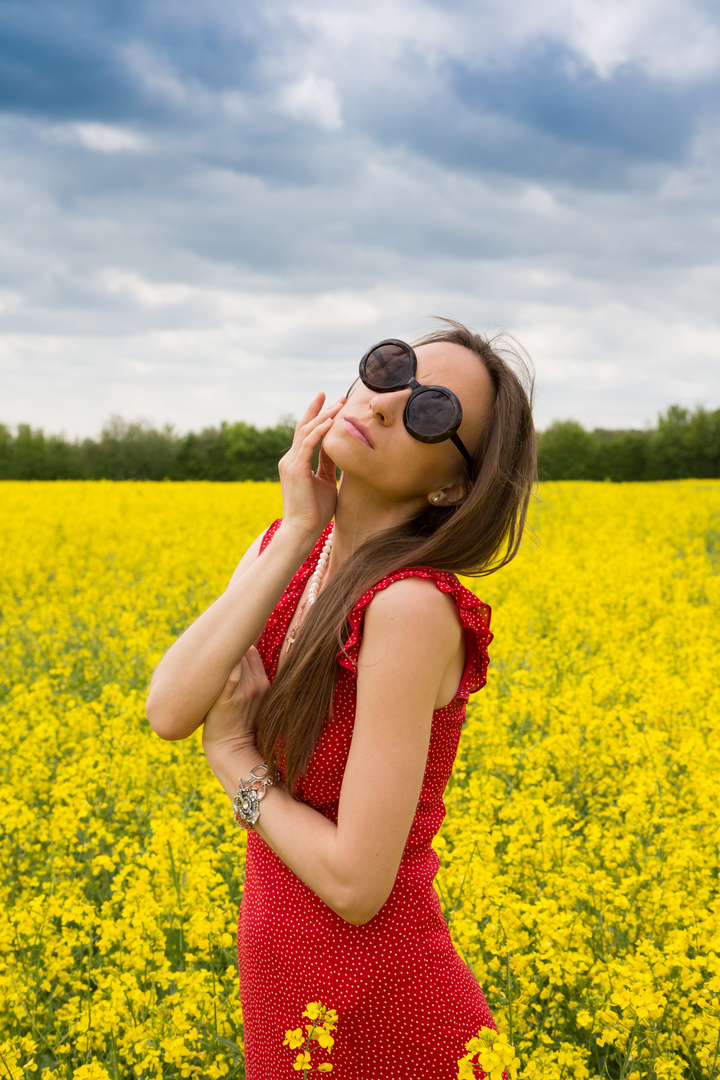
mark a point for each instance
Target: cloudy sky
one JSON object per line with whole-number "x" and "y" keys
{"x": 210, "y": 209}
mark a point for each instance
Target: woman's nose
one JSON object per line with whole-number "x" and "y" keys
{"x": 390, "y": 406}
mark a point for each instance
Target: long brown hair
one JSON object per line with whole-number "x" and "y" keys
{"x": 473, "y": 538}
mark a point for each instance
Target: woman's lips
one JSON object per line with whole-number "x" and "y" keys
{"x": 358, "y": 430}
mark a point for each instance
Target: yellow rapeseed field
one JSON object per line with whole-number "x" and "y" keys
{"x": 580, "y": 855}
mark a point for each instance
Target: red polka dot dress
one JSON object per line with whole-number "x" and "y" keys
{"x": 406, "y": 1002}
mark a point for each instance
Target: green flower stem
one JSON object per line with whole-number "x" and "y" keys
{"x": 307, "y": 1044}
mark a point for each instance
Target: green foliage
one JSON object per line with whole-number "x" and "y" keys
{"x": 138, "y": 451}
{"x": 684, "y": 445}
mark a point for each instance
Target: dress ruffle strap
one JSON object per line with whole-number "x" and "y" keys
{"x": 474, "y": 616}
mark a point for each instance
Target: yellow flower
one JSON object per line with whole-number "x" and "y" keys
{"x": 94, "y": 1071}
{"x": 579, "y": 853}
{"x": 492, "y": 1053}
{"x": 324, "y": 1038}
{"x": 466, "y": 1070}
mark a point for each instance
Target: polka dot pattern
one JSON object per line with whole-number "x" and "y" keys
{"x": 406, "y": 1002}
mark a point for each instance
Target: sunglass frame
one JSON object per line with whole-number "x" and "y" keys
{"x": 416, "y": 389}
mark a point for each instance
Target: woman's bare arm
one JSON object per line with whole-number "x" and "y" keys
{"x": 192, "y": 673}
{"x": 411, "y": 635}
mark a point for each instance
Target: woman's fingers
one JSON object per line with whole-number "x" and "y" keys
{"x": 308, "y": 446}
{"x": 313, "y": 408}
{"x": 254, "y": 661}
{"x": 312, "y": 412}
{"x": 310, "y": 439}
{"x": 235, "y": 675}
{"x": 313, "y": 417}
{"x": 314, "y": 436}
{"x": 326, "y": 466}
{"x": 246, "y": 677}
{"x": 304, "y": 499}
{"x": 231, "y": 684}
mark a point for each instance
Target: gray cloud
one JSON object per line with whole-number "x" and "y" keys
{"x": 210, "y": 212}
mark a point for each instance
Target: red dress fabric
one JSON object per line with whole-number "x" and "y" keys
{"x": 406, "y": 1002}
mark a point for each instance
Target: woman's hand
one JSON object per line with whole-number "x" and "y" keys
{"x": 309, "y": 498}
{"x": 231, "y": 722}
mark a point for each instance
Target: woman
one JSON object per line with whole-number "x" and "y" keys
{"x": 351, "y": 649}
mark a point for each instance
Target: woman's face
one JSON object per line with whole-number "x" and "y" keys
{"x": 392, "y": 462}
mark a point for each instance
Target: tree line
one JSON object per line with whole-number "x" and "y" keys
{"x": 684, "y": 444}
{"x": 138, "y": 451}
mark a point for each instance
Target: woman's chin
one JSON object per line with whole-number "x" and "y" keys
{"x": 352, "y": 469}
{"x": 339, "y": 449}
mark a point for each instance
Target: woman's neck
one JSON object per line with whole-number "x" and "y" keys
{"x": 359, "y": 514}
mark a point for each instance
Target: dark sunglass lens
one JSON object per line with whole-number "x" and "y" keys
{"x": 388, "y": 365}
{"x": 431, "y": 413}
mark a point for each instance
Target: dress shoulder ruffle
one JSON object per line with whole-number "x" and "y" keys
{"x": 474, "y": 616}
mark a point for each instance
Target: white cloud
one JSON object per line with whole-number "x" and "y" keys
{"x": 10, "y": 300}
{"x": 149, "y": 294}
{"x": 313, "y": 99}
{"x": 105, "y": 138}
{"x": 667, "y": 38}
{"x": 539, "y": 200}
{"x": 675, "y": 39}
{"x": 256, "y": 353}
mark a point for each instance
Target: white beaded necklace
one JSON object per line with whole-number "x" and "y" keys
{"x": 315, "y": 580}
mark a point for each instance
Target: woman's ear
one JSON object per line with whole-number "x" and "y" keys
{"x": 449, "y": 495}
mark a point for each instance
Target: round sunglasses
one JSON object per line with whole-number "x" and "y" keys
{"x": 432, "y": 413}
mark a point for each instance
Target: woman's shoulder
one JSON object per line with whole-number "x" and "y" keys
{"x": 413, "y": 585}
{"x": 411, "y": 596}
{"x": 415, "y": 593}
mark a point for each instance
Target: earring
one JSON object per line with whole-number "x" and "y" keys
{"x": 436, "y": 499}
